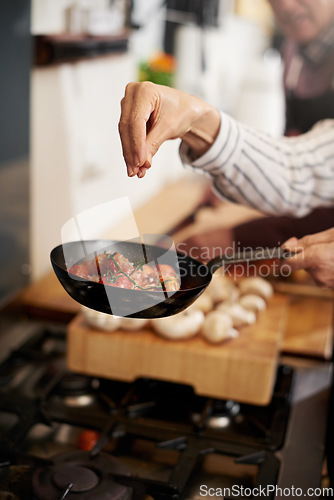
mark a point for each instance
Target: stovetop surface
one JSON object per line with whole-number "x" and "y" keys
{"x": 165, "y": 440}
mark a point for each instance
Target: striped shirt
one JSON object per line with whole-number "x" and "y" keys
{"x": 285, "y": 175}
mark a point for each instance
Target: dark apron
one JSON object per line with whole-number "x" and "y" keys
{"x": 302, "y": 114}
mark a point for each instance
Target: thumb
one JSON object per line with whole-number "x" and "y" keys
{"x": 155, "y": 138}
{"x": 291, "y": 243}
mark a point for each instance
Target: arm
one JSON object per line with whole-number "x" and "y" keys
{"x": 278, "y": 176}
{"x": 290, "y": 176}
{"x": 283, "y": 175}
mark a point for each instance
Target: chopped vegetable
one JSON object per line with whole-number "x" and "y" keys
{"x": 116, "y": 270}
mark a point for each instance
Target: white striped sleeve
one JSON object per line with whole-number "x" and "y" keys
{"x": 275, "y": 175}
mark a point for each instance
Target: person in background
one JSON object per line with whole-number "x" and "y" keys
{"x": 308, "y": 56}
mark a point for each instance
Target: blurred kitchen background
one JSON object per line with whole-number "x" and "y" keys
{"x": 64, "y": 68}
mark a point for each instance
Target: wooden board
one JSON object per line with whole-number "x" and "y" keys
{"x": 48, "y": 298}
{"x": 243, "y": 369}
{"x": 309, "y": 327}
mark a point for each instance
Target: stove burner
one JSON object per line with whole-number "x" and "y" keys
{"x": 76, "y": 472}
{"x": 219, "y": 414}
{"x": 77, "y": 390}
{"x": 81, "y": 478}
{"x": 73, "y": 384}
{"x": 79, "y": 401}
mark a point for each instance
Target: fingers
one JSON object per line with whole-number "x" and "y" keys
{"x": 291, "y": 243}
{"x": 318, "y": 238}
{"x": 136, "y": 109}
{"x": 302, "y": 257}
{"x": 315, "y": 254}
{"x": 309, "y": 240}
{"x": 318, "y": 261}
{"x": 301, "y": 260}
{"x": 139, "y": 111}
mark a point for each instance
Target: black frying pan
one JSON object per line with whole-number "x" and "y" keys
{"x": 195, "y": 277}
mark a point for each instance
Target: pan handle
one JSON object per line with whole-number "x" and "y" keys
{"x": 249, "y": 256}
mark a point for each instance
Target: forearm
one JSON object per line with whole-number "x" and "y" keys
{"x": 278, "y": 176}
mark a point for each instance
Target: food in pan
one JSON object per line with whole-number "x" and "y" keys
{"x": 116, "y": 270}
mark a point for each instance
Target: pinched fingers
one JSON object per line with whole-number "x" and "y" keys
{"x": 136, "y": 108}
{"x": 132, "y": 130}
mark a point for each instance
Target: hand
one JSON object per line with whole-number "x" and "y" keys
{"x": 152, "y": 114}
{"x": 316, "y": 255}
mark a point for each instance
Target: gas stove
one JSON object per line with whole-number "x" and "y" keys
{"x": 154, "y": 439}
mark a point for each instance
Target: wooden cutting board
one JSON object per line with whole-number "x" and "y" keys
{"x": 243, "y": 369}
{"x": 309, "y": 327}
{"x": 308, "y": 330}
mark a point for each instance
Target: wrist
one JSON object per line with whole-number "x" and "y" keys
{"x": 204, "y": 128}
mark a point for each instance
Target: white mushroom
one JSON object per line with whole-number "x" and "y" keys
{"x": 102, "y": 321}
{"x": 239, "y": 315}
{"x": 132, "y": 324}
{"x": 217, "y": 327}
{"x": 233, "y": 296}
{"x": 257, "y": 286}
{"x": 204, "y": 303}
{"x": 252, "y": 302}
{"x": 221, "y": 288}
{"x": 183, "y": 325}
